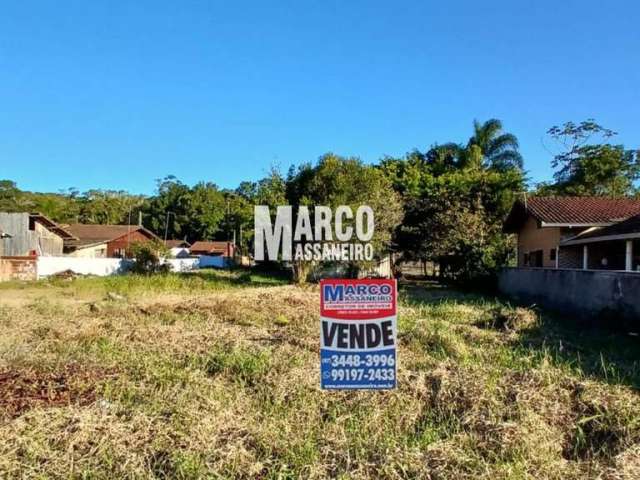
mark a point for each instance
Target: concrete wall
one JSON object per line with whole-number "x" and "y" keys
{"x": 17, "y": 268}
{"x": 582, "y": 294}
{"x": 86, "y": 266}
{"x": 103, "y": 267}
{"x": 183, "y": 264}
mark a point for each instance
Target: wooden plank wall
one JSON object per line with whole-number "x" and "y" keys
{"x": 16, "y": 225}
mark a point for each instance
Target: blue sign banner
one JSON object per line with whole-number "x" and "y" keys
{"x": 373, "y": 370}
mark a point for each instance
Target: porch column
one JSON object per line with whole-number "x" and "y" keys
{"x": 557, "y": 256}
{"x": 585, "y": 257}
{"x": 628, "y": 264}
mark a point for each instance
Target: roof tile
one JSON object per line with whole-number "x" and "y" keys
{"x": 582, "y": 210}
{"x": 88, "y": 234}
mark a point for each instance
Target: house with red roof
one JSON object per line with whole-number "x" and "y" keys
{"x": 224, "y": 249}
{"x": 591, "y": 233}
{"x": 105, "y": 241}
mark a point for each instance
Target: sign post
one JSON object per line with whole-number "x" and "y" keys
{"x": 358, "y": 334}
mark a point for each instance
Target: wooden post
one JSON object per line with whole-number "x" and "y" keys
{"x": 557, "y": 256}
{"x": 585, "y": 257}
{"x": 628, "y": 264}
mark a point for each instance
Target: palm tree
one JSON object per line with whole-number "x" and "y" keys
{"x": 499, "y": 150}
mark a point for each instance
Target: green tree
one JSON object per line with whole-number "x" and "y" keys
{"x": 168, "y": 210}
{"x": 454, "y": 205}
{"x": 194, "y": 213}
{"x": 498, "y": 150}
{"x": 588, "y": 165}
{"x": 336, "y": 180}
{"x": 108, "y": 207}
{"x": 448, "y": 224}
{"x": 270, "y": 191}
{"x": 206, "y": 209}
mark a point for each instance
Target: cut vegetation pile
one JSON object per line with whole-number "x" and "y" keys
{"x": 164, "y": 381}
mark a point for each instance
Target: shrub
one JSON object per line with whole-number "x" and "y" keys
{"x": 148, "y": 257}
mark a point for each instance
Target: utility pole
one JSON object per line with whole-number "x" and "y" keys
{"x": 227, "y": 222}
{"x": 166, "y": 226}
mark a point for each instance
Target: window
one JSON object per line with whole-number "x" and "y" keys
{"x": 526, "y": 259}
{"x": 552, "y": 254}
{"x": 535, "y": 259}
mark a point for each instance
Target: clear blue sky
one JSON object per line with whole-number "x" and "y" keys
{"x": 106, "y": 94}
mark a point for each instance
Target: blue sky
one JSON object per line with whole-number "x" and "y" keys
{"x": 106, "y": 94}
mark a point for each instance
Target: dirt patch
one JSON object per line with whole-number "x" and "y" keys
{"x": 24, "y": 389}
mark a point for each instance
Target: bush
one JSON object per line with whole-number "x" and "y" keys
{"x": 148, "y": 257}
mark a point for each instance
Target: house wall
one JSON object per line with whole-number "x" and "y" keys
{"x": 16, "y": 225}
{"x": 179, "y": 252}
{"x": 229, "y": 251}
{"x": 24, "y": 240}
{"x": 603, "y": 296}
{"x": 93, "y": 251}
{"x": 124, "y": 242}
{"x": 532, "y": 238}
{"x": 48, "y": 243}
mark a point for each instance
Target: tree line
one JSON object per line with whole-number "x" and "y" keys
{"x": 444, "y": 205}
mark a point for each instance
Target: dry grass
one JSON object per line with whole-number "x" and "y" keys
{"x": 173, "y": 381}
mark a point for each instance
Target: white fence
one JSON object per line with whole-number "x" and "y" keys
{"x": 85, "y": 266}
{"x": 183, "y": 264}
{"x": 103, "y": 267}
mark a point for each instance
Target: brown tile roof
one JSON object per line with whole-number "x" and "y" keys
{"x": 629, "y": 228}
{"x": 91, "y": 234}
{"x": 210, "y": 247}
{"x": 587, "y": 211}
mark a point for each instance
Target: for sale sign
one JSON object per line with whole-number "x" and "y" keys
{"x": 358, "y": 333}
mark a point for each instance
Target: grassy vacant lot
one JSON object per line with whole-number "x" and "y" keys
{"x": 216, "y": 376}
